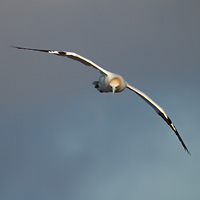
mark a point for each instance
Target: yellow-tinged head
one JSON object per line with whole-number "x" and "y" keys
{"x": 115, "y": 83}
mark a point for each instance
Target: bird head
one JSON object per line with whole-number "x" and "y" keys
{"x": 114, "y": 84}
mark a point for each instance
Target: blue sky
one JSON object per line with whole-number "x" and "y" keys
{"x": 60, "y": 138}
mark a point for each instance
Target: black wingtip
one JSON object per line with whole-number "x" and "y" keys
{"x": 169, "y": 122}
{"x": 189, "y": 152}
{"x": 186, "y": 149}
{"x": 16, "y": 47}
{"x": 13, "y": 46}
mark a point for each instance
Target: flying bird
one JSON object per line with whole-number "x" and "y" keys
{"x": 111, "y": 82}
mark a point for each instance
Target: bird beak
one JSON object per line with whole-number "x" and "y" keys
{"x": 114, "y": 84}
{"x": 113, "y": 90}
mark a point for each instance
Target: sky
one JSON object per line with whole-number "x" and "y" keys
{"x": 62, "y": 139}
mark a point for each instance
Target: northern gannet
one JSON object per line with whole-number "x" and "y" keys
{"x": 111, "y": 82}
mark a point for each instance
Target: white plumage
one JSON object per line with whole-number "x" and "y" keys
{"x": 110, "y": 82}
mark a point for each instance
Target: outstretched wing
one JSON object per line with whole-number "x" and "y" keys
{"x": 71, "y": 55}
{"x": 160, "y": 112}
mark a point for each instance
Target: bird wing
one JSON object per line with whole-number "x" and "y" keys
{"x": 160, "y": 112}
{"x": 71, "y": 55}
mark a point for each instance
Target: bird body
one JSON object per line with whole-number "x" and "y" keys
{"x": 111, "y": 82}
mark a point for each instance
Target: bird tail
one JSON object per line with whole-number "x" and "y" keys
{"x": 96, "y": 85}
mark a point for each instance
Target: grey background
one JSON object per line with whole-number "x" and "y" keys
{"x": 60, "y": 138}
